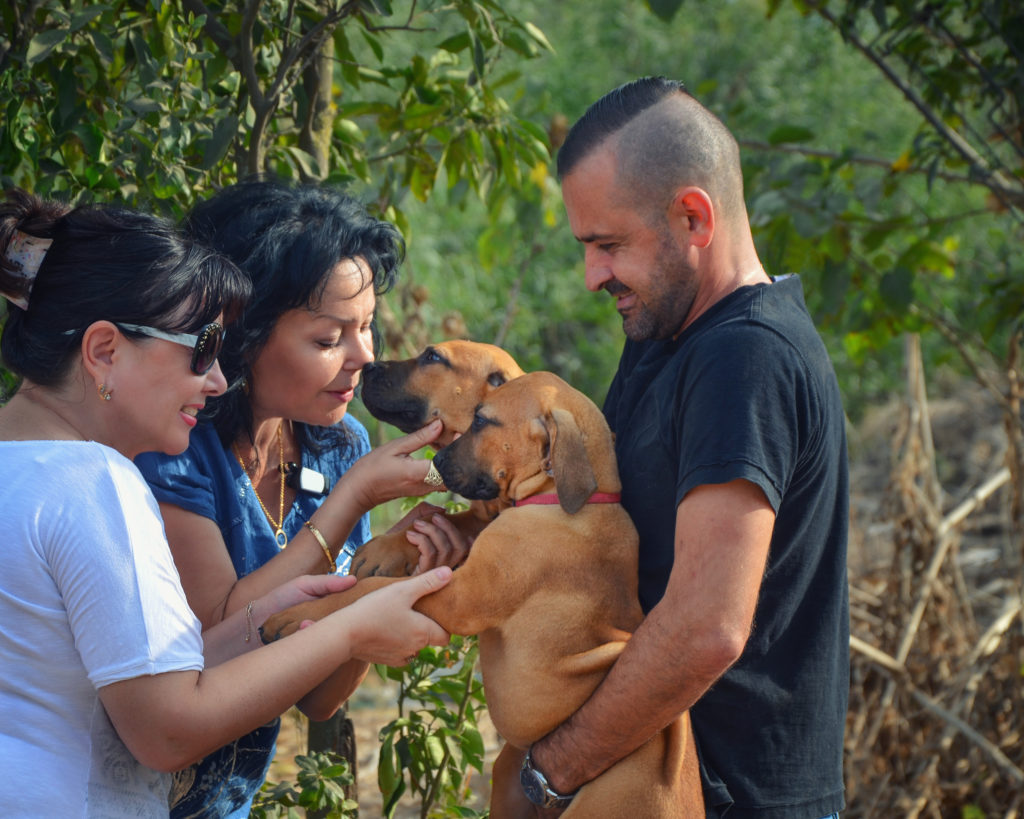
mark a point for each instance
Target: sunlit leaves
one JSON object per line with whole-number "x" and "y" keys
{"x": 149, "y": 103}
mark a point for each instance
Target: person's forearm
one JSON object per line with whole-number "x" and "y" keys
{"x": 335, "y": 520}
{"x": 234, "y": 635}
{"x": 697, "y": 630}
{"x": 199, "y": 713}
{"x": 645, "y": 690}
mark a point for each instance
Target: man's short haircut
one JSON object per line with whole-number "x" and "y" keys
{"x": 664, "y": 138}
{"x": 609, "y": 114}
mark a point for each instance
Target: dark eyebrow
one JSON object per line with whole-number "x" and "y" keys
{"x": 594, "y": 237}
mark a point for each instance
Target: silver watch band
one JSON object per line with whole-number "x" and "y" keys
{"x": 537, "y": 788}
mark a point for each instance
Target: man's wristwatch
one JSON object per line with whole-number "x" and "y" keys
{"x": 537, "y": 788}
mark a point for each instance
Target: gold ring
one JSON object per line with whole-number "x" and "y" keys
{"x": 433, "y": 476}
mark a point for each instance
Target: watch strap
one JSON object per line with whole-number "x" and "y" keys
{"x": 537, "y": 788}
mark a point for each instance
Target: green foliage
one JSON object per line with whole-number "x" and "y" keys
{"x": 430, "y": 747}
{"x": 107, "y": 99}
{"x": 320, "y": 786}
{"x": 157, "y": 102}
{"x": 922, "y": 240}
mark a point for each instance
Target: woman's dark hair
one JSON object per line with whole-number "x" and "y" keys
{"x": 104, "y": 263}
{"x": 288, "y": 239}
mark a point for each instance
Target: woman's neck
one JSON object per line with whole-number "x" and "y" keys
{"x": 265, "y": 455}
{"x": 38, "y": 413}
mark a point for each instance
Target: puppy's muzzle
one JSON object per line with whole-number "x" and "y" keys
{"x": 462, "y": 475}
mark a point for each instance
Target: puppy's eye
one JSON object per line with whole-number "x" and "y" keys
{"x": 430, "y": 356}
{"x": 479, "y": 422}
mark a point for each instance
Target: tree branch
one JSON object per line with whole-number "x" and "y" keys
{"x": 1011, "y": 190}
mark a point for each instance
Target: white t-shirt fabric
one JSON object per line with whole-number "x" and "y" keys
{"x": 89, "y": 596}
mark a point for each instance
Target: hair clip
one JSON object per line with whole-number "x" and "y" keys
{"x": 25, "y": 254}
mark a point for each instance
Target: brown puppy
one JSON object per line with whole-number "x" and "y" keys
{"x": 446, "y": 381}
{"x": 550, "y": 587}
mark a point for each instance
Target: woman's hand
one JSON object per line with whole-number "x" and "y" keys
{"x": 420, "y": 511}
{"x": 390, "y": 472}
{"x": 439, "y": 542}
{"x": 385, "y": 629}
{"x": 301, "y": 589}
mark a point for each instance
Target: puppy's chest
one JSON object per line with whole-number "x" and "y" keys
{"x": 543, "y": 550}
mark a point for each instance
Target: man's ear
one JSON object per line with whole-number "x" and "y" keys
{"x": 694, "y": 206}
{"x": 99, "y": 350}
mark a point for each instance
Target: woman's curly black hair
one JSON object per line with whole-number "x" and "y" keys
{"x": 288, "y": 239}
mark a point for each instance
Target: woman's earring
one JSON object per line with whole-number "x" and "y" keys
{"x": 105, "y": 394}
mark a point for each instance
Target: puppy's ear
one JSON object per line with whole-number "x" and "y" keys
{"x": 574, "y": 476}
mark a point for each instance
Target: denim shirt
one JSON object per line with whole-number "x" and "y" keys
{"x": 207, "y": 480}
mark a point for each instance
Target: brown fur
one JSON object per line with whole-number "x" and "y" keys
{"x": 551, "y": 593}
{"x": 446, "y": 381}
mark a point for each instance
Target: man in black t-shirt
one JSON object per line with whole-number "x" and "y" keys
{"x": 731, "y": 446}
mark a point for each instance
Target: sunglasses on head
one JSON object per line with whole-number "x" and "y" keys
{"x": 205, "y": 346}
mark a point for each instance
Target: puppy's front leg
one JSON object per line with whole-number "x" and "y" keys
{"x": 287, "y": 622}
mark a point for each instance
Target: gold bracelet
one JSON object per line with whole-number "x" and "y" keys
{"x": 248, "y": 620}
{"x": 323, "y": 545}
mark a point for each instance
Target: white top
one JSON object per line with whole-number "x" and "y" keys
{"x": 89, "y": 596}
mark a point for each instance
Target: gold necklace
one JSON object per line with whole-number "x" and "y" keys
{"x": 279, "y": 535}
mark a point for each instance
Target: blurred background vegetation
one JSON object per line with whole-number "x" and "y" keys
{"x": 883, "y": 144}
{"x": 445, "y": 115}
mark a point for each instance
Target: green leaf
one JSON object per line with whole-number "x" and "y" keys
{"x": 42, "y": 44}
{"x": 456, "y": 43}
{"x": 220, "y": 140}
{"x": 143, "y": 105}
{"x": 80, "y": 18}
{"x": 539, "y": 35}
{"x": 664, "y": 10}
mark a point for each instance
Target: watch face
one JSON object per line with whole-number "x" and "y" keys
{"x": 532, "y": 787}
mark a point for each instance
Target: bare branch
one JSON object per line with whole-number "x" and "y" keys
{"x": 1011, "y": 190}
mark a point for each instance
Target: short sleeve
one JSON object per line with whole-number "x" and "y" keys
{"x": 755, "y": 386}
{"x": 123, "y": 596}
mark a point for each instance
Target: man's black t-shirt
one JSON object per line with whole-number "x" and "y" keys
{"x": 748, "y": 391}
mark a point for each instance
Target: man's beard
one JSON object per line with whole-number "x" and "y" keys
{"x": 669, "y": 299}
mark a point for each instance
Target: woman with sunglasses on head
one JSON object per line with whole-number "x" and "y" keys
{"x": 278, "y": 479}
{"x": 113, "y": 325}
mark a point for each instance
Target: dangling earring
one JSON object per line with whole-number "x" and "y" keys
{"x": 105, "y": 394}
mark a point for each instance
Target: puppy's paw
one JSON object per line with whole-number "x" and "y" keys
{"x": 288, "y": 621}
{"x": 279, "y": 625}
{"x": 385, "y": 557}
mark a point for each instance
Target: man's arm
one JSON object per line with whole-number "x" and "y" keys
{"x": 696, "y": 631}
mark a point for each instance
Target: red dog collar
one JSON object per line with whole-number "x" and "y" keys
{"x": 552, "y": 498}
